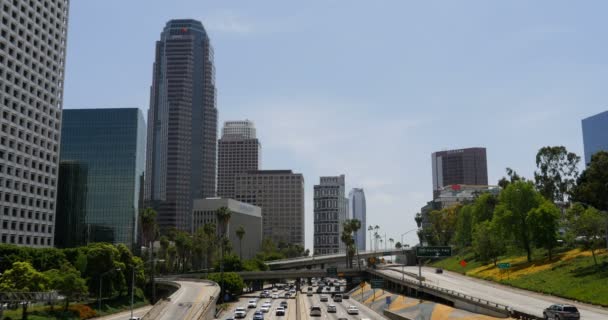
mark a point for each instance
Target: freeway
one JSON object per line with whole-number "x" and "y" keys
{"x": 243, "y": 301}
{"x": 521, "y": 300}
{"x": 189, "y": 299}
{"x": 315, "y": 300}
{"x": 329, "y": 258}
{"x": 139, "y": 312}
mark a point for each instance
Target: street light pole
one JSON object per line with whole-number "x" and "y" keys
{"x": 403, "y": 262}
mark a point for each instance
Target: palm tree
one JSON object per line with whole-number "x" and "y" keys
{"x": 398, "y": 245}
{"x": 391, "y": 241}
{"x": 147, "y": 218}
{"x": 370, "y": 229}
{"x": 347, "y": 238}
{"x": 376, "y": 228}
{"x": 223, "y": 218}
{"x": 240, "y": 233}
{"x": 355, "y": 225}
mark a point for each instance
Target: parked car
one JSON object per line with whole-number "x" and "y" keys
{"x": 561, "y": 312}
{"x": 331, "y": 308}
{"x": 315, "y": 311}
{"x": 352, "y": 310}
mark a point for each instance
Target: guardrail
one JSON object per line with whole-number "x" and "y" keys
{"x": 335, "y": 255}
{"x": 429, "y": 287}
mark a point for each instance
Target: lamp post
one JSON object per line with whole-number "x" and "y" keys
{"x": 133, "y": 282}
{"x": 100, "y": 283}
{"x": 403, "y": 264}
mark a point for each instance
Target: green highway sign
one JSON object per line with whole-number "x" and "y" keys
{"x": 433, "y": 252}
{"x": 505, "y": 265}
{"x": 377, "y": 283}
{"x": 332, "y": 272}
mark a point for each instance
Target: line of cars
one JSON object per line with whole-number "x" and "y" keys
{"x": 241, "y": 312}
{"x": 315, "y": 311}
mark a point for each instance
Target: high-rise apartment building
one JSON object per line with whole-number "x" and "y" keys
{"x": 242, "y": 129}
{"x": 280, "y": 194}
{"x": 32, "y": 61}
{"x": 595, "y": 134}
{"x": 462, "y": 166}
{"x": 356, "y": 204}
{"x": 101, "y": 164}
{"x": 238, "y": 152}
{"x": 330, "y": 211}
{"x": 182, "y": 124}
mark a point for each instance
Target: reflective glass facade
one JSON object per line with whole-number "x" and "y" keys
{"x": 101, "y": 166}
{"x": 595, "y": 134}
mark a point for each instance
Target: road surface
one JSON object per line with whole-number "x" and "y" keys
{"x": 522, "y": 300}
{"x": 139, "y": 312}
{"x": 243, "y": 300}
{"x": 186, "y": 301}
{"x": 315, "y": 300}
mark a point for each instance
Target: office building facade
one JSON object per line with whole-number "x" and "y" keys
{"x": 242, "y": 214}
{"x": 102, "y": 161}
{"x": 280, "y": 194}
{"x": 238, "y": 152}
{"x": 595, "y": 134}
{"x": 32, "y": 62}
{"x": 463, "y": 166}
{"x": 182, "y": 124}
{"x": 356, "y": 205}
{"x": 330, "y": 212}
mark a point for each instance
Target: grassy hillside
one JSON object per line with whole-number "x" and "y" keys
{"x": 571, "y": 274}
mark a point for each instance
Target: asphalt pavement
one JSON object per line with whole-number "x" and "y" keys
{"x": 315, "y": 300}
{"x": 244, "y": 300}
{"x": 139, "y": 312}
{"x": 188, "y": 300}
{"x": 522, "y": 300}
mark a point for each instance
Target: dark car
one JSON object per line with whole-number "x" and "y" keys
{"x": 438, "y": 270}
{"x": 561, "y": 312}
{"x": 284, "y": 304}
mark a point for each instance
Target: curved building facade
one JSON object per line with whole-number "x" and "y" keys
{"x": 356, "y": 199}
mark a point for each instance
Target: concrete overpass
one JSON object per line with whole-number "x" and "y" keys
{"x": 328, "y": 259}
{"x": 286, "y": 274}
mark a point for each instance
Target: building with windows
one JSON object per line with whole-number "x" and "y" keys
{"x": 242, "y": 214}
{"x": 182, "y": 124}
{"x": 238, "y": 152}
{"x": 32, "y": 62}
{"x": 356, "y": 204}
{"x": 330, "y": 211}
{"x": 102, "y": 162}
{"x": 280, "y": 194}
{"x": 595, "y": 134}
{"x": 463, "y": 166}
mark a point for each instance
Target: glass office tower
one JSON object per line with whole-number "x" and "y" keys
{"x": 101, "y": 165}
{"x": 595, "y": 134}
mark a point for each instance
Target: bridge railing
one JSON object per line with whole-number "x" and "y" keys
{"x": 443, "y": 290}
{"x": 321, "y": 256}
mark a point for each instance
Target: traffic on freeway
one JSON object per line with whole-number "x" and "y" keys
{"x": 272, "y": 303}
{"x": 521, "y": 300}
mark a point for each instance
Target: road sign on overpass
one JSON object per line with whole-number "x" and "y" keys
{"x": 433, "y": 252}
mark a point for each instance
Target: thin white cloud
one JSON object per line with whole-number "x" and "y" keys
{"x": 228, "y": 22}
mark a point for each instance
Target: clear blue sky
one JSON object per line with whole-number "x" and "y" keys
{"x": 367, "y": 88}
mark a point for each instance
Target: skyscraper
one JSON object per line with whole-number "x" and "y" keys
{"x": 182, "y": 124}
{"x": 462, "y": 166}
{"x": 32, "y": 60}
{"x": 102, "y": 161}
{"x": 280, "y": 194}
{"x": 238, "y": 152}
{"x": 356, "y": 204}
{"x": 330, "y": 211}
{"x": 595, "y": 134}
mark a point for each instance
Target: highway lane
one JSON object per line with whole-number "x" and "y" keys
{"x": 139, "y": 312}
{"x": 522, "y": 300}
{"x": 187, "y": 300}
{"x": 275, "y": 303}
{"x": 315, "y": 300}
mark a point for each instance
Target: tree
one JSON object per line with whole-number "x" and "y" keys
{"x": 515, "y": 203}
{"x": 557, "y": 172}
{"x": 513, "y": 177}
{"x": 483, "y": 208}
{"x": 443, "y": 224}
{"x": 587, "y": 225}
{"x": 398, "y": 245}
{"x": 544, "y": 224}
{"x": 487, "y": 242}
{"x": 464, "y": 226}
{"x": 183, "y": 244}
{"x": 232, "y": 281}
{"x": 347, "y": 238}
{"x": 67, "y": 282}
{"x": 22, "y": 277}
{"x": 223, "y": 215}
{"x": 240, "y": 233}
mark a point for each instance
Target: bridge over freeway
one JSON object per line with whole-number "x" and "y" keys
{"x": 322, "y": 260}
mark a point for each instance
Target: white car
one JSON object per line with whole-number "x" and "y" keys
{"x": 266, "y": 307}
{"x": 240, "y": 313}
{"x": 323, "y": 298}
{"x": 352, "y": 310}
{"x": 275, "y": 296}
{"x": 331, "y": 308}
{"x": 252, "y": 304}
